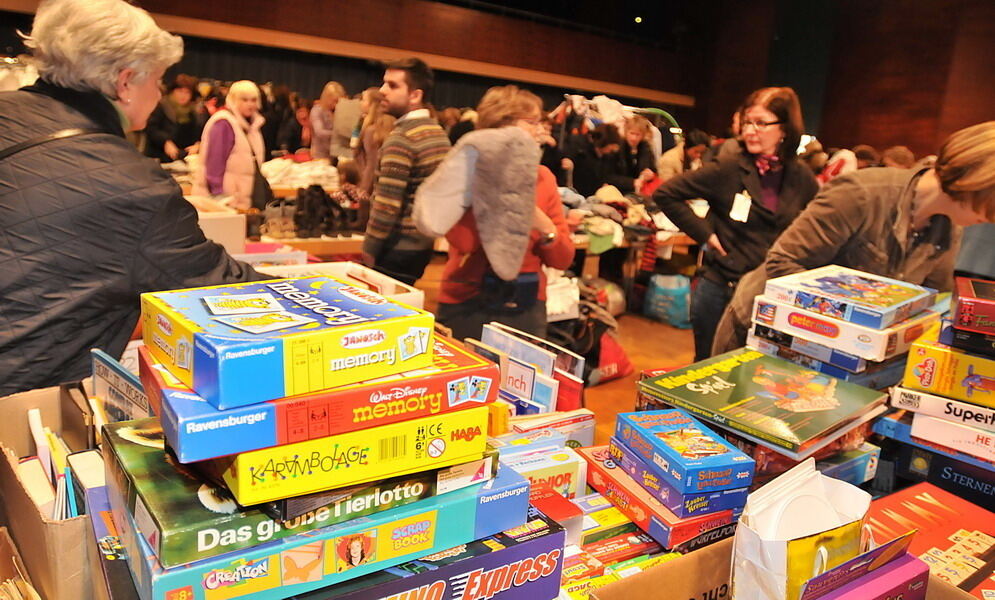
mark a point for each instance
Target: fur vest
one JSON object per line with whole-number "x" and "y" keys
{"x": 239, "y": 170}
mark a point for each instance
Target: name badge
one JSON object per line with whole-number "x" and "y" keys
{"x": 741, "y": 203}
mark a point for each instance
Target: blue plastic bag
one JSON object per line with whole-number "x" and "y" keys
{"x": 668, "y": 299}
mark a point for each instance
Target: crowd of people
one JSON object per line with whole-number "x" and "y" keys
{"x": 112, "y": 224}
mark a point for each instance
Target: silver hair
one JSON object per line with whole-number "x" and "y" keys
{"x": 85, "y": 44}
{"x": 241, "y": 88}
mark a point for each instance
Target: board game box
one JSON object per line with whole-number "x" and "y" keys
{"x": 975, "y": 306}
{"x": 247, "y": 343}
{"x": 196, "y": 430}
{"x": 843, "y": 293}
{"x": 966, "y": 481}
{"x": 820, "y": 352}
{"x": 956, "y": 436}
{"x": 769, "y": 399}
{"x": 644, "y": 510}
{"x": 523, "y": 563}
{"x": 968, "y": 341}
{"x": 954, "y": 411}
{"x": 185, "y": 518}
{"x": 355, "y": 457}
{"x": 955, "y": 537}
{"x": 681, "y": 450}
{"x": 879, "y": 376}
{"x": 560, "y": 469}
{"x": 866, "y": 342}
{"x": 939, "y": 369}
{"x": 122, "y": 394}
{"x": 330, "y": 555}
{"x": 898, "y": 427}
{"x": 682, "y": 504}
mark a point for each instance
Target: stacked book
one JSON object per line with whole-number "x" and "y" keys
{"x": 776, "y": 411}
{"x": 309, "y": 433}
{"x": 946, "y": 433}
{"x": 678, "y": 481}
{"x": 849, "y": 324}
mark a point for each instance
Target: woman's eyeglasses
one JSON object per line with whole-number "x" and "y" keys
{"x": 760, "y": 125}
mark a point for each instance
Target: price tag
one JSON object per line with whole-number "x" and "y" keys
{"x": 741, "y": 207}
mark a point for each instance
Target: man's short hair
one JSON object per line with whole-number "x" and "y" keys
{"x": 417, "y": 75}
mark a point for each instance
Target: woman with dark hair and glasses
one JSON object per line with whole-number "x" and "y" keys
{"x": 752, "y": 198}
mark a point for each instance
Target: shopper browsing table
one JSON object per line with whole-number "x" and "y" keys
{"x": 501, "y": 214}
{"x": 753, "y": 196}
{"x": 897, "y": 223}
{"x": 88, "y": 223}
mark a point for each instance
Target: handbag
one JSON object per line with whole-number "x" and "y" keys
{"x": 262, "y": 193}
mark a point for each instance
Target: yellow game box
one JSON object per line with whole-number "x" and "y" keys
{"x": 355, "y": 457}
{"x": 246, "y": 343}
{"x": 939, "y": 369}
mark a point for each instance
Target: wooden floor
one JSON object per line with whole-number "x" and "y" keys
{"x": 649, "y": 345}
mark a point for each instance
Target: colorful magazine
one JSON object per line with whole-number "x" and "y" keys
{"x": 767, "y": 398}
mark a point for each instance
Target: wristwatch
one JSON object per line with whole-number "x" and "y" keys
{"x": 547, "y": 239}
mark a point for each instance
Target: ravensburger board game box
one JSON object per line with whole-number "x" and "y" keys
{"x": 329, "y": 555}
{"x": 196, "y": 430}
{"x": 523, "y": 563}
{"x": 247, "y": 343}
{"x": 769, "y": 399}
{"x": 688, "y": 455}
{"x": 185, "y": 519}
{"x": 355, "y": 457}
{"x": 865, "y": 342}
{"x": 682, "y": 504}
{"x": 850, "y": 295}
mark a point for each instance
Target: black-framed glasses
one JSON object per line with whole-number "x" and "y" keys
{"x": 760, "y": 125}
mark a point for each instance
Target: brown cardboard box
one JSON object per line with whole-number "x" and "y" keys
{"x": 11, "y": 565}
{"x": 54, "y": 552}
{"x": 704, "y": 575}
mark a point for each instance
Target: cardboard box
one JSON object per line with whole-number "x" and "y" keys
{"x": 820, "y": 352}
{"x": 519, "y": 564}
{"x": 198, "y": 431}
{"x": 853, "y": 466}
{"x": 705, "y": 574}
{"x": 184, "y": 519}
{"x": 968, "y": 341}
{"x": 851, "y": 295}
{"x": 326, "y": 556}
{"x": 355, "y": 273}
{"x": 962, "y": 438}
{"x": 605, "y": 523}
{"x": 682, "y": 504}
{"x": 975, "y": 306}
{"x": 246, "y": 343}
{"x": 55, "y": 552}
{"x": 11, "y": 565}
{"x": 644, "y": 510}
{"x": 622, "y": 547}
{"x": 355, "y": 457}
{"x": 682, "y": 451}
{"x": 898, "y": 426}
{"x": 905, "y": 577}
{"x": 939, "y": 369}
{"x": 523, "y": 443}
{"x": 865, "y": 342}
{"x": 561, "y": 510}
{"x": 579, "y": 564}
{"x": 226, "y": 228}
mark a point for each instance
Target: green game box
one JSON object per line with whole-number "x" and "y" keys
{"x": 776, "y": 402}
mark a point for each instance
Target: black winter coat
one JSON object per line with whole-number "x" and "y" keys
{"x": 87, "y": 224}
{"x": 719, "y": 182}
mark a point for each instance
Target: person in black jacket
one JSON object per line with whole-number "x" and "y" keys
{"x": 592, "y": 157}
{"x": 634, "y": 160}
{"x": 752, "y": 198}
{"x": 88, "y": 223}
{"x": 173, "y": 129}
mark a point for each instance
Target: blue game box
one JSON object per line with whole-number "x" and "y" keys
{"x": 683, "y": 452}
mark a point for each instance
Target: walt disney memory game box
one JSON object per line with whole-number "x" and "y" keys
{"x": 330, "y": 555}
{"x": 196, "y": 430}
{"x": 247, "y": 343}
{"x": 850, "y": 295}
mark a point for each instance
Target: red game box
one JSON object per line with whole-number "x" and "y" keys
{"x": 975, "y": 306}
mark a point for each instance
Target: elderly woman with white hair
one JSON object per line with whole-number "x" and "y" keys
{"x": 88, "y": 223}
{"x": 232, "y": 148}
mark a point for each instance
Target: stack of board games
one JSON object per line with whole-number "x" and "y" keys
{"x": 852, "y": 325}
{"x": 773, "y": 403}
{"x": 310, "y": 432}
{"x": 956, "y": 538}
{"x": 945, "y": 432}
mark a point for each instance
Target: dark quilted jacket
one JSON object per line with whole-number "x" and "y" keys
{"x": 86, "y": 225}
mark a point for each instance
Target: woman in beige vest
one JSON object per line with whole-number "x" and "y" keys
{"x": 232, "y": 147}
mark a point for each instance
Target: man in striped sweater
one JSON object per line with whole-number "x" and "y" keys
{"x": 411, "y": 152}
